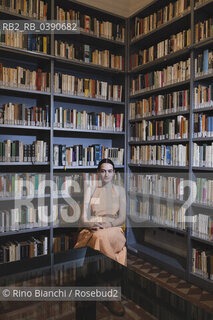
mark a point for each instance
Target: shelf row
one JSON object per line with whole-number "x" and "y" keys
{"x": 96, "y": 67}
{"x": 179, "y": 168}
{"x": 164, "y": 17}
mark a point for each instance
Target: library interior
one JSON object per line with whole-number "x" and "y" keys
{"x": 106, "y": 159}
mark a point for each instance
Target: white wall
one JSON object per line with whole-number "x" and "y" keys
{"x": 120, "y": 7}
{"x": 135, "y": 5}
{"x": 123, "y": 8}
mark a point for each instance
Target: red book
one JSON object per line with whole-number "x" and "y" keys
{"x": 141, "y": 26}
{"x": 34, "y": 114}
{"x": 211, "y": 230}
{"x": 181, "y": 130}
{"x": 38, "y": 79}
{"x": 87, "y": 23}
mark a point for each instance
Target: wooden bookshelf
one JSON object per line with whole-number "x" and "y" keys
{"x": 136, "y": 236}
{"x": 51, "y": 63}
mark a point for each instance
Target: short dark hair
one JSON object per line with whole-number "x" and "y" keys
{"x": 106, "y": 160}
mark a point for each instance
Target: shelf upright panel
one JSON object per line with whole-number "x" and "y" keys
{"x": 190, "y": 174}
{"x": 126, "y": 167}
{"x": 52, "y": 38}
{"x": 129, "y": 234}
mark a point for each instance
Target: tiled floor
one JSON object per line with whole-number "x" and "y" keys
{"x": 172, "y": 283}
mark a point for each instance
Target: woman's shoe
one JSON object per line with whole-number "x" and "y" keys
{"x": 115, "y": 307}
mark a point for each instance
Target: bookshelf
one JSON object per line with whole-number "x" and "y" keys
{"x": 101, "y": 58}
{"x": 152, "y": 51}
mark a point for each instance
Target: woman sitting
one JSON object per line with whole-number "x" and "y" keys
{"x": 104, "y": 212}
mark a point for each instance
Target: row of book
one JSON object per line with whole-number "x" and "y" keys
{"x": 171, "y": 187}
{"x": 62, "y": 242}
{"x": 203, "y": 125}
{"x": 199, "y": 2}
{"x": 71, "y": 118}
{"x": 19, "y": 114}
{"x": 35, "y": 9}
{"x": 177, "y": 128}
{"x": 175, "y": 155}
{"x": 160, "y": 104}
{"x": 17, "y": 151}
{"x": 174, "y": 43}
{"x": 155, "y": 184}
{"x": 204, "y": 191}
{"x": 14, "y": 250}
{"x": 25, "y": 217}
{"x": 92, "y": 25}
{"x": 203, "y": 96}
{"x": 22, "y": 184}
{"x": 139, "y": 209}
{"x": 202, "y": 262}
{"x": 204, "y": 29}
{"x": 78, "y": 155}
{"x": 63, "y": 83}
{"x": 32, "y": 42}
{"x": 202, "y": 226}
{"x": 204, "y": 63}
{"x": 180, "y": 71}
{"x": 159, "y": 17}
{"x": 203, "y": 155}
{"x": 173, "y": 216}
{"x": 68, "y": 84}
{"x": 89, "y": 54}
{"x": 64, "y": 184}
{"x": 68, "y": 184}
{"x": 64, "y": 213}
{"x": 162, "y": 213}
{"x": 18, "y": 185}
{"x": 24, "y": 78}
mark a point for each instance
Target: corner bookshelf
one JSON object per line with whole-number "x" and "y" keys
{"x": 160, "y": 38}
{"x": 103, "y": 60}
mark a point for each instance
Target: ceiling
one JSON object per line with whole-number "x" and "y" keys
{"x": 123, "y": 8}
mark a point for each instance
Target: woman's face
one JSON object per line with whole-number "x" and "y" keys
{"x": 106, "y": 172}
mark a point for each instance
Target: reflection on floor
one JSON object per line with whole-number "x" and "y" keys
{"x": 174, "y": 284}
{"x": 132, "y": 312}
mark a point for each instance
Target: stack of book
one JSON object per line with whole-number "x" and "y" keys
{"x": 19, "y": 114}
{"x": 92, "y": 25}
{"x": 17, "y": 151}
{"x": 90, "y": 88}
{"x": 71, "y": 118}
{"x": 24, "y": 78}
{"x": 78, "y": 155}
{"x": 180, "y": 71}
{"x": 160, "y": 104}
{"x": 175, "y": 155}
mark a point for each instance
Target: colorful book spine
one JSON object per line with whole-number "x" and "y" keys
{"x": 174, "y": 155}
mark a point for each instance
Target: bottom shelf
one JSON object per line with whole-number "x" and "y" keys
{"x": 160, "y": 259}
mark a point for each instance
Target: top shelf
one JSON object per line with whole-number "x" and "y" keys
{"x": 11, "y": 13}
{"x": 205, "y": 5}
{"x": 163, "y": 27}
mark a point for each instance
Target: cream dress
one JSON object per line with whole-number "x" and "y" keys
{"x": 106, "y": 203}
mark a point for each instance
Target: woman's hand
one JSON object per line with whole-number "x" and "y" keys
{"x": 101, "y": 225}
